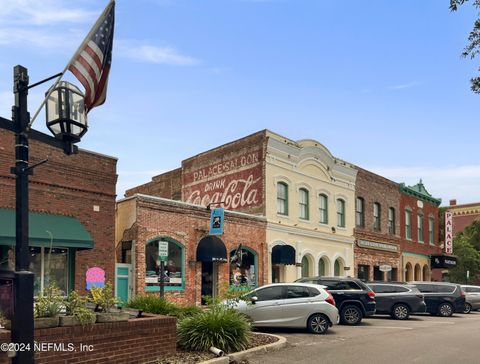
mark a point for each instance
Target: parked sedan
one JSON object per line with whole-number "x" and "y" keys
{"x": 472, "y": 298}
{"x": 296, "y": 305}
{"x": 398, "y": 300}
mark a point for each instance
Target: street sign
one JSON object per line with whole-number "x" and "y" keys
{"x": 385, "y": 268}
{"x": 163, "y": 250}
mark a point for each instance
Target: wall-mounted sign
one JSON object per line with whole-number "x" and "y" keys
{"x": 385, "y": 268}
{"x": 420, "y": 204}
{"x": 448, "y": 232}
{"x": 95, "y": 277}
{"x": 443, "y": 261}
{"x": 379, "y": 246}
{"x": 216, "y": 221}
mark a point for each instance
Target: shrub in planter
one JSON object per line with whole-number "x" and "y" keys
{"x": 160, "y": 306}
{"x": 77, "y": 313}
{"x": 47, "y": 307}
{"x": 105, "y": 301}
{"x": 220, "y": 326}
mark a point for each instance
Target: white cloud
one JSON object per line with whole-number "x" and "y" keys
{"x": 403, "y": 86}
{"x": 153, "y": 54}
{"x": 45, "y": 12}
{"x": 446, "y": 182}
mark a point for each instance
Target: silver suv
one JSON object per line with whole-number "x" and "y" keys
{"x": 472, "y": 298}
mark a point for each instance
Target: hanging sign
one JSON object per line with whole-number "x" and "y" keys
{"x": 448, "y": 232}
{"x": 216, "y": 221}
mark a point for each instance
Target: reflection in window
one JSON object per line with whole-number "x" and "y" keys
{"x": 340, "y": 213}
{"x": 360, "y": 212}
{"x": 243, "y": 270}
{"x": 323, "y": 209}
{"x": 304, "y": 204}
{"x": 305, "y": 267}
{"x": 173, "y": 272}
{"x": 282, "y": 198}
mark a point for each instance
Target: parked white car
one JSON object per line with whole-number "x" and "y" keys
{"x": 296, "y": 305}
{"x": 472, "y": 298}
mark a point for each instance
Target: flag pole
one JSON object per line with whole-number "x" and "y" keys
{"x": 88, "y": 36}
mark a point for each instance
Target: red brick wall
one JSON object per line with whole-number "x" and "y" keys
{"x": 413, "y": 246}
{"x": 166, "y": 185}
{"x": 187, "y": 225}
{"x": 142, "y": 340}
{"x": 69, "y": 186}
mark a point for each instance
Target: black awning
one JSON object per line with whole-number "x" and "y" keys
{"x": 211, "y": 249}
{"x": 443, "y": 261}
{"x": 283, "y": 254}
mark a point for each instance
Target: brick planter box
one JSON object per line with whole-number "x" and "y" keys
{"x": 141, "y": 340}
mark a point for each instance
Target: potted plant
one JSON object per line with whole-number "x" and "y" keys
{"x": 105, "y": 302}
{"x": 76, "y": 312}
{"x": 4, "y": 322}
{"x": 47, "y": 308}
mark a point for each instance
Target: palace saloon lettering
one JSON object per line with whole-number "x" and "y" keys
{"x": 225, "y": 167}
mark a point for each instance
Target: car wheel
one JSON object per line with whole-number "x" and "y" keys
{"x": 445, "y": 310}
{"x": 467, "y": 308}
{"x": 318, "y": 324}
{"x": 400, "y": 312}
{"x": 351, "y": 315}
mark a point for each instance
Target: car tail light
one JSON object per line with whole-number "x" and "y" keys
{"x": 371, "y": 294}
{"x": 330, "y": 299}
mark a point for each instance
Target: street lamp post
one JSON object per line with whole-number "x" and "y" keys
{"x": 66, "y": 118}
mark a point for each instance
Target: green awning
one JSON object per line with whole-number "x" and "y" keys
{"x": 46, "y": 229}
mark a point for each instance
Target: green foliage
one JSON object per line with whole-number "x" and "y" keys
{"x": 50, "y": 304}
{"x": 103, "y": 297}
{"x": 84, "y": 315}
{"x": 159, "y": 306}
{"x": 466, "y": 246}
{"x": 473, "y": 48}
{"x": 75, "y": 306}
{"x": 220, "y": 326}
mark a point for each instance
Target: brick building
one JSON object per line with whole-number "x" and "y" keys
{"x": 377, "y": 228}
{"x": 72, "y": 214}
{"x": 198, "y": 264}
{"x": 306, "y": 194}
{"x": 418, "y": 231}
{"x": 462, "y": 215}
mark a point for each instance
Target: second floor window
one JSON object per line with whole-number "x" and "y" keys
{"x": 408, "y": 224}
{"x": 391, "y": 220}
{"x": 360, "y": 212}
{"x": 282, "y": 198}
{"x": 376, "y": 216}
{"x": 340, "y": 213}
{"x": 304, "y": 205}
{"x": 431, "y": 223}
{"x": 420, "y": 227}
{"x": 323, "y": 209}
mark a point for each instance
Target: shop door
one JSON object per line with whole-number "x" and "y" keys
{"x": 123, "y": 279}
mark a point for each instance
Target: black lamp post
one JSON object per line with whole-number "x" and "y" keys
{"x": 66, "y": 118}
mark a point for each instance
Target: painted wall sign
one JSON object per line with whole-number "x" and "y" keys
{"x": 95, "y": 277}
{"x": 216, "y": 221}
{"x": 234, "y": 184}
{"x": 379, "y": 246}
{"x": 448, "y": 232}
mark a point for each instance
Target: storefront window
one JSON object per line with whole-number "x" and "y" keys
{"x": 173, "y": 266}
{"x": 50, "y": 266}
{"x": 363, "y": 272}
{"x": 243, "y": 267}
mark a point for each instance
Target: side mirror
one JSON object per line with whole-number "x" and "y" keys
{"x": 253, "y": 299}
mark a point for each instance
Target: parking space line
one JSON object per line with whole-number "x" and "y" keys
{"x": 387, "y": 327}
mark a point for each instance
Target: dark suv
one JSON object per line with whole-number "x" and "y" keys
{"x": 442, "y": 298}
{"x": 353, "y": 298}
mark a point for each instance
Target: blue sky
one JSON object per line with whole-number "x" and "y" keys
{"x": 379, "y": 83}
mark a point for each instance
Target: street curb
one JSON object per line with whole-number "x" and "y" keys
{"x": 241, "y": 355}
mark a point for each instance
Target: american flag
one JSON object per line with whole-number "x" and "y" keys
{"x": 91, "y": 63}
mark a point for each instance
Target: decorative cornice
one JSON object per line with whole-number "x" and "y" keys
{"x": 418, "y": 191}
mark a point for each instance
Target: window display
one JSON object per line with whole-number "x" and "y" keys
{"x": 173, "y": 272}
{"x": 243, "y": 268}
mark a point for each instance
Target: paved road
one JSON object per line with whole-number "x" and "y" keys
{"x": 421, "y": 339}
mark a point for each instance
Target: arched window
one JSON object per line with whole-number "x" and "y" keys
{"x": 305, "y": 267}
{"x": 304, "y": 204}
{"x": 243, "y": 267}
{"x": 340, "y": 213}
{"x": 323, "y": 208}
{"x": 282, "y": 198}
{"x": 173, "y": 265}
{"x": 338, "y": 268}
{"x": 321, "y": 267}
